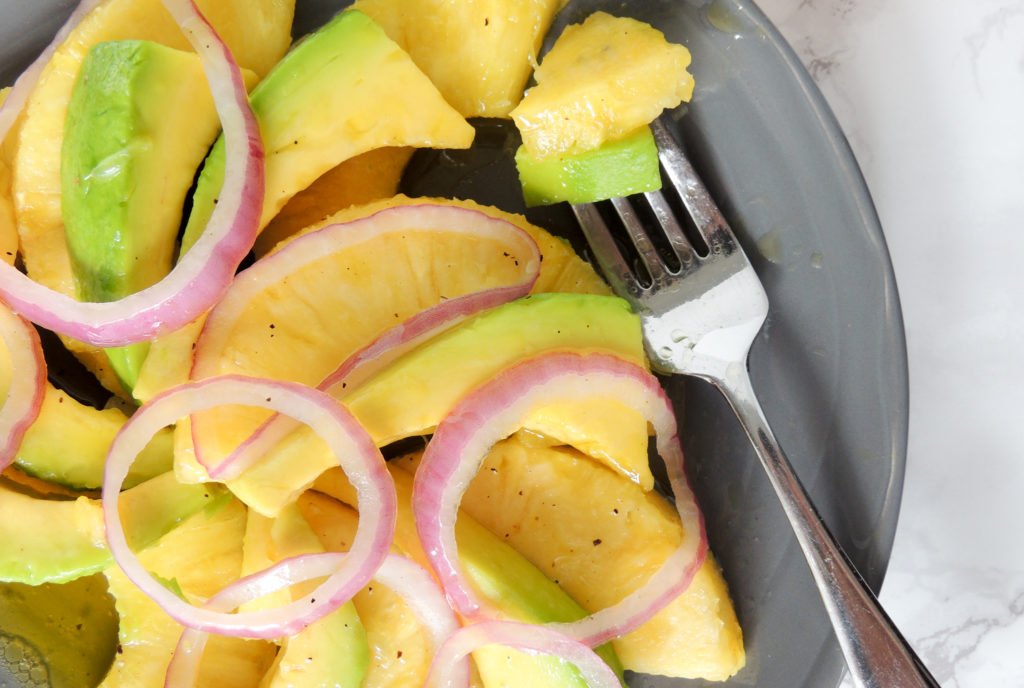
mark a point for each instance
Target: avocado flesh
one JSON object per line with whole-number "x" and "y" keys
{"x": 138, "y": 125}
{"x": 410, "y": 396}
{"x": 332, "y": 651}
{"x": 195, "y": 560}
{"x": 68, "y": 442}
{"x": 616, "y": 168}
{"x": 517, "y": 588}
{"x": 75, "y": 542}
{"x": 523, "y": 593}
{"x": 341, "y": 91}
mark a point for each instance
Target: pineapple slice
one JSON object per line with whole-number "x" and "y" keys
{"x": 489, "y": 46}
{"x": 400, "y": 647}
{"x": 170, "y": 357}
{"x": 367, "y": 177}
{"x": 203, "y": 555}
{"x": 603, "y": 79}
{"x": 600, "y": 536}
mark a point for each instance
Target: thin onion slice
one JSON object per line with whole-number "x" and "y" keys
{"x": 391, "y": 344}
{"x": 405, "y": 577}
{"x": 494, "y": 411}
{"x": 521, "y": 636}
{"x": 356, "y": 452}
{"x": 28, "y": 383}
{"x": 204, "y": 273}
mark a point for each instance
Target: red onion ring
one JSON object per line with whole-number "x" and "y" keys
{"x": 495, "y": 410}
{"x": 356, "y": 452}
{"x": 521, "y": 636}
{"x": 204, "y": 273}
{"x": 388, "y": 346}
{"x": 411, "y": 581}
{"x": 28, "y": 383}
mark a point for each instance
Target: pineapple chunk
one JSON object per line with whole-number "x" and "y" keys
{"x": 603, "y": 79}
{"x": 203, "y": 555}
{"x": 489, "y": 46}
{"x": 617, "y": 536}
{"x": 367, "y": 177}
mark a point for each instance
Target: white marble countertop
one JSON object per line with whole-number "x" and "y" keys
{"x": 931, "y": 97}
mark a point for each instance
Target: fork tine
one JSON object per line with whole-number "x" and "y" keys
{"x": 638, "y": 235}
{"x": 670, "y": 226}
{"x": 614, "y": 266}
{"x": 706, "y": 216}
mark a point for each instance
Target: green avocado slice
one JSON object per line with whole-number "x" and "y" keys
{"x": 332, "y": 651}
{"x": 75, "y": 542}
{"x": 617, "y": 168}
{"x": 139, "y": 122}
{"x": 523, "y": 593}
{"x": 409, "y": 396}
{"x": 68, "y": 442}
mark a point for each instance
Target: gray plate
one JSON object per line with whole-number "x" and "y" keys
{"x": 830, "y": 365}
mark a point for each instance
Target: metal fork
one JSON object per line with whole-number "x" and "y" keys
{"x": 700, "y": 318}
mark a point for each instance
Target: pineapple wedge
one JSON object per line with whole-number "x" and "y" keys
{"x": 478, "y": 54}
{"x": 603, "y": 79}
{"x": 616, "y": 537}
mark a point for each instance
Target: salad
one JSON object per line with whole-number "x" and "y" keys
{"x": 412, "y": 430}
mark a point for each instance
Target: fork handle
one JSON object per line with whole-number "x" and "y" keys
{"x": 876, "y": 653}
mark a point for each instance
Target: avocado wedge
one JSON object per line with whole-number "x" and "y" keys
{"x": 341, "y": 91}
{"x": 616, "y": 168}
{"x": 140, "y": 121}
{"x": 75, "y": 543}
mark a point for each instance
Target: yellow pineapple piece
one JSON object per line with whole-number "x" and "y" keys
{"x": 479, "y": 54}
{"x": 601, "y": 80}
{"x": 170, "y": 357}
{"x": 561, "y": 269}
{"x": 367, "y": 177}
{"x": 202, "y": 556}
{"x": 400, "y": 647}
{"x": 258, "y": 34}
{"x": 601, "y": 536}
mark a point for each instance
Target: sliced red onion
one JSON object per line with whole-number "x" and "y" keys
{"x": 356, "y": 452}
{"x": 389, "y": 345}
{"x": 538, "y": 640}
{"x": 405, "y": 577}
{"x": 204, "y": 273}
{"x": 28, "y": 383}
{"x": 494, "y": 411}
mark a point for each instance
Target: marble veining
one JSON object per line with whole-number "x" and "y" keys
{"x": 931, "y": 97}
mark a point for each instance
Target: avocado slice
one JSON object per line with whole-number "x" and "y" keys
{"x": 522, "y": 592}
{"x": 410, "y": 396}
{"x": 68, "y": 442}
{"x": 500, "y": 574}
{"x": 332, "y": 651}
{"x": 195, "y": 560}
{"x": 139, "y": 122}
{"x": 75, "y": 542}
{"x": 343, "y": 90}
{"x": 616, "y": 168}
